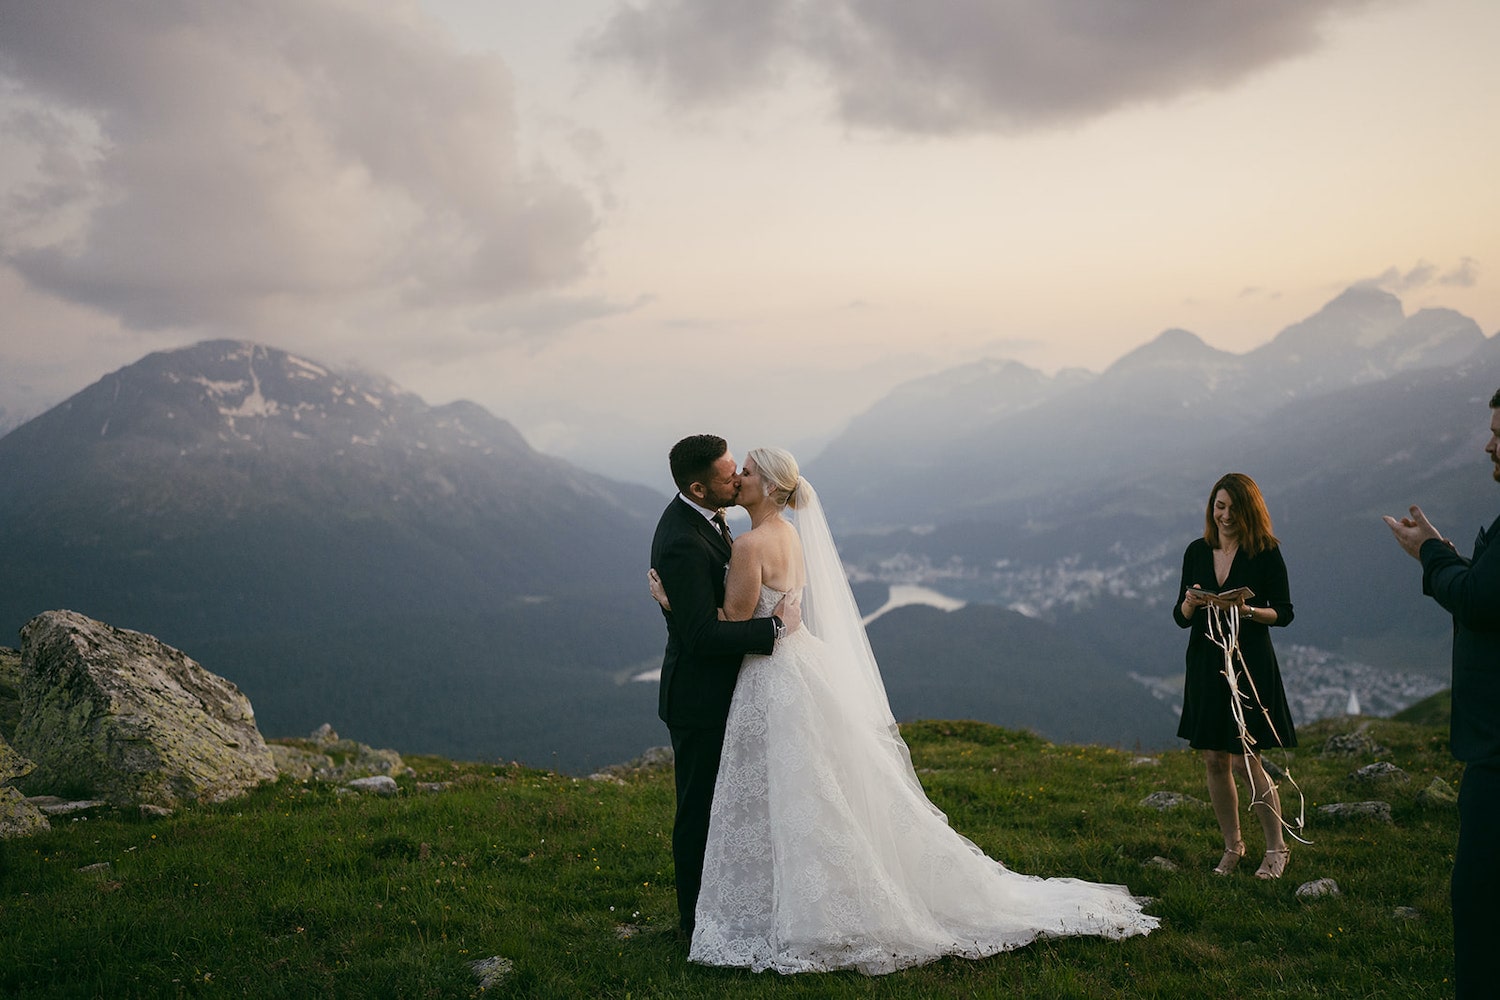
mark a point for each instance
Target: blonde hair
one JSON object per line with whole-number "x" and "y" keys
{"x": 779, "y": 471}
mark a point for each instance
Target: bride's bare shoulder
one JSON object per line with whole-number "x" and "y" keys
{"x": 768, "y": 540}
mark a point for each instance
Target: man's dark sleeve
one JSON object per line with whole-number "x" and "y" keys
{"x": 1468, "y": 591}
{"x": 687, "y": 578}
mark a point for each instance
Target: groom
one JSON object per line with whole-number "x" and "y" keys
{"x": 703, "y": 655}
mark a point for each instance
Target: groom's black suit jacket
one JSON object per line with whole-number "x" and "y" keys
{"x": 703, "y": 655}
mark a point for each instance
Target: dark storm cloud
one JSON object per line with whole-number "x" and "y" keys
{"x": 956, "y": 66}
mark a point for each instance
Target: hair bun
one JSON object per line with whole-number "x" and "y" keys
{"x": 794, "y": 495}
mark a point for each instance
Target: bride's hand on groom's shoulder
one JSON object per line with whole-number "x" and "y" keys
{"x": 789, "y": 610}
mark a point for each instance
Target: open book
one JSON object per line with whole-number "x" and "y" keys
{"x": 1226, "y": 598}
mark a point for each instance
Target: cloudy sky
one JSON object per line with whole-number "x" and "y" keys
{"x": 616, "y": 223}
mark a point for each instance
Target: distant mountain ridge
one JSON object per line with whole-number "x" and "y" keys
{"x": 347, "y": 553}
{"x": 336, "y": 546}
{"x": 1078, "y": 506}
{"x": 1000, "y": 433}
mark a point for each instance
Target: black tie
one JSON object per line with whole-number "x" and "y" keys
{"x": 723, "y": 528}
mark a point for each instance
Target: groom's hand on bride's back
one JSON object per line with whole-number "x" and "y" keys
{"x": 789, "y": 610}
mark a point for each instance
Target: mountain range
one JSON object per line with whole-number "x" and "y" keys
{"x": 419, "y": 576}
{"x": 1074, "y": 501}
{"x": 982, "y": 440}
{"x": 344, "y": 552}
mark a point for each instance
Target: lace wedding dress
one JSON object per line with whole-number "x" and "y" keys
{"x": 824, "y": 852}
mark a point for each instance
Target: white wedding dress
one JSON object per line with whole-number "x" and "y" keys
{"x": 823, "y": 851}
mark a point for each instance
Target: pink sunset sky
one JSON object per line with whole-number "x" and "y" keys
{"x": 616, "y": 223}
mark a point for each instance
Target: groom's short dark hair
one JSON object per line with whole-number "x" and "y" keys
{"x": 692, "y": 459}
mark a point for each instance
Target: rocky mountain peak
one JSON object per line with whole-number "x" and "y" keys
{"x": 299, "y": 527}
{"x": 238, "y": 391}
{"x": 1172, "y": 347}
{"x": 1431, "y": 338}
{"x": 225, "y": 397}
{"x": 1359, "y": 318}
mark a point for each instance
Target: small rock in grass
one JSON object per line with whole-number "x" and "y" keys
{"x": 1163, "y": 801}
{"x": 1356, "y": 744}
{"x": 492, "y": 971}
{"x": 1379, "y": 771}
{"x": 1318, "y": 887}
{"x": 1437, "y": 795}
{"x": 379, "y": 784}
{"x": 1378, "y": 811}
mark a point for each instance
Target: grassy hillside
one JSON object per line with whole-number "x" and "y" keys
{"x": 1434, "y": 710}
{"x": 298, "y": 890}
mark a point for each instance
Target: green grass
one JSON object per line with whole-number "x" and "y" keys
{"x": 1434, "y": 710}
{"x": 297, "y": 890}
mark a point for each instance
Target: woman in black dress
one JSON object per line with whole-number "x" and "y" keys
{"x": 1237, "y": 550}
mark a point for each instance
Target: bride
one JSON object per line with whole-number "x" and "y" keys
{"x": 823, "y": 851}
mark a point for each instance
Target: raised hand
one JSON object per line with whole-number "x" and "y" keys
{"x": 1413, "y": 531}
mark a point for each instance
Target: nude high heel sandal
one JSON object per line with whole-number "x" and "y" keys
{"x": 1231, "y": 858}
{"x": 1274, "y": 863}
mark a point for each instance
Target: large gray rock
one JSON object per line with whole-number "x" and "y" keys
{"x": 18, "y": 818}
{"x": 10, "y": 691}
{"x": 121, "y": 716}
{"x": 12, "y": 764}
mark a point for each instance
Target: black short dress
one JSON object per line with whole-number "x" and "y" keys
{"x": 1206, "y": 720}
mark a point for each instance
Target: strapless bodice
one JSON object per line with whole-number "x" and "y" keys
{"x": 769, "y": 598}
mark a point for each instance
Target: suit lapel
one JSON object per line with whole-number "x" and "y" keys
{"x": 1485, "y": 537}
{"x": 704, "y": 527}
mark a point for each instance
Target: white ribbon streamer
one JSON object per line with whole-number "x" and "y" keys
{"x": 1224, "y": 632}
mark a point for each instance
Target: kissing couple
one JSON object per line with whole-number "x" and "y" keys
{"x": 803, "y": 841}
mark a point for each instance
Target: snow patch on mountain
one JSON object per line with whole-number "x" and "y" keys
{"x": 302, "y": 368}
